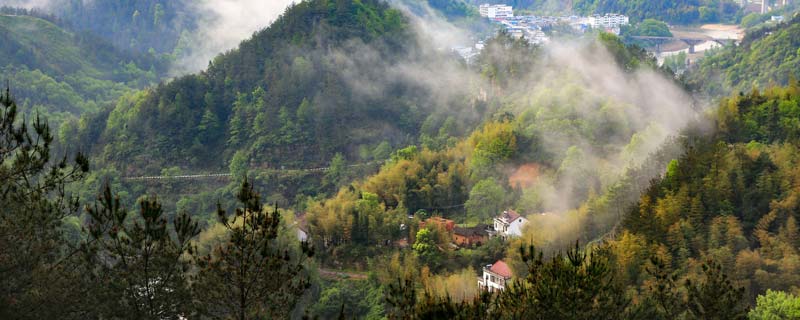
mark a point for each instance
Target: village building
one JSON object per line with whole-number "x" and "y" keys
{"x": 471, "y": 236}
{"x": 496, "y": 11}
{"x": 509, "y": 224}
{"x": 608, "y": 21}
{"x": 495, "y": 277}
{"x": 446, "y": 224}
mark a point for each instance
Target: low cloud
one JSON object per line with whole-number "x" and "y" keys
{"x": 222, "y": 25}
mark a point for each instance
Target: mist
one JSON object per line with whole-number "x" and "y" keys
{"x": 600, "y": 124}
{"x": 30, "y": 4}
{"x": 222, "y": 25}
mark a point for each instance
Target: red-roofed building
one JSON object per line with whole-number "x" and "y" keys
{"x": 495, "y": 276}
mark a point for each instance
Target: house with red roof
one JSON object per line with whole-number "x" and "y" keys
{"x": 509, "y": 224}
{"x": 495, "y": 277}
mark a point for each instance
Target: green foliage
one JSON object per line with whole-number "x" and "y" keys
{"x": 677, "y": 12}
{"x": 36, "y": 280}
{"x": 141, "y": 25}
{"x": 139, "y": 267}
{"x": 650, "y": 27}
{"x": 337, "y": 173}
{"x": 64, "y": 74}
{"x": 425, "y": 247}
{"x": 768, "y": 117}
{"x": 727, "y": 188}
{"x": 575, "y": 285}
{"x": 676, "y": 62}
{"x": 716, "y": 297}
{"x": 249, "y": 274}
{"x": 485, "y": 200}
{"x": 775, "y": 305}
{"x": 278, "y": 96}
{"x": 354, "y": 299}
{"x": 766, "y": 56}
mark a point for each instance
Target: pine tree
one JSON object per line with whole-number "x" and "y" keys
{"x": 249, "y": 275}
{"x": 36, "y": 280}
{"x": 715, "y": 297}
{"x": 139, "y": 267}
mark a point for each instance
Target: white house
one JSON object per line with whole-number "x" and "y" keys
{"x": 495, "y": 277}
{"x": 509, "y": 224}
{"x": 496, "y": 11}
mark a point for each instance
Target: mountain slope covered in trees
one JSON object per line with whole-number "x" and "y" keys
{"x": 767, "y": 55}
{"x": 57, "y": 71}
{"x": 137, "y": 25}
{"x": 294, "y": 95}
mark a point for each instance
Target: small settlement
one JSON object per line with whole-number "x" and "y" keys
{"x": 506, "y": 225}
{"x": 532, "y": 28}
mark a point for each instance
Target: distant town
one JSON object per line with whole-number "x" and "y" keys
{"x": 532, "y": 28}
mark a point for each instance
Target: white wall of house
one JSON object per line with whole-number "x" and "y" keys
{"x": 492, "y": 282}
{"x": 515, "y": 227}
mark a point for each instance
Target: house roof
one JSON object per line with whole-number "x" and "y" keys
{"x": 510, "y": 215}
{"x": 501, "y": 268}
{"x": 479, "y": 230}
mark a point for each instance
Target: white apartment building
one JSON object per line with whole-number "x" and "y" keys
{"x": 495, "y": 277}
{"x": 496, "y": 11}
{"x": 608, "y": 21}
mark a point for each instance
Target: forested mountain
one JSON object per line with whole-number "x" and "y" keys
{"x": 59, "y": 71}
{"x": 351, "y": 126}
{"x": 732, "y": 197}
{"x": 767, "y": 55}
{"x": 293, "y": 95}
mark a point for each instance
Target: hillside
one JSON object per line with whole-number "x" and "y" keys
{"x": 57, "y": 71}
{"x": 294, "y": 95}
{"x": 674, "y": 12}
{"x": 767, "y": 55}
{"x": 350, "y": 152}
{"x": 137, "y": 25}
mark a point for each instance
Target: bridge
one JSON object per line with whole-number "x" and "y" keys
{"x": 691, "y": 40}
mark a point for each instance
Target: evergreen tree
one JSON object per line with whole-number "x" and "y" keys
{"x": 715, "y": 297}
{"x": 249, "y": 275}
{"x": 36, "y": 280}
{"x": 139, "y": 267}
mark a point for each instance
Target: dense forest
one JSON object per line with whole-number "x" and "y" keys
{"x": 141, "y": 25}
{"x": 244, "y": 103}
{"x": 64, "y": 73}
{"x": 348, "y": 145}
{"x": 767, "y": 56}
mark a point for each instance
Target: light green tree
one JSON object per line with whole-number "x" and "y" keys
{"x": 425, "y": 246}
{"x": 775, "y": 305}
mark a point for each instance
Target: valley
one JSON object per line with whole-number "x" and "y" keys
{"x": 372, "y": 159}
